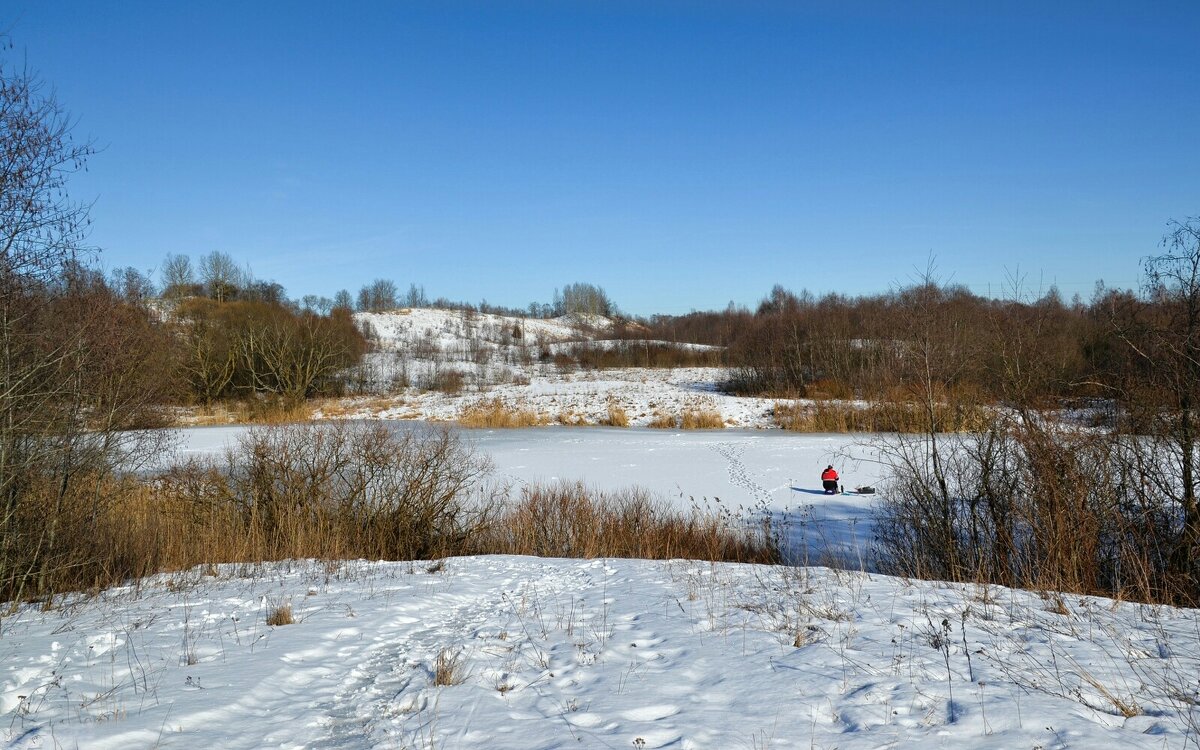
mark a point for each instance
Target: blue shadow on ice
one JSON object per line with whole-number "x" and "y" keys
{"x": 837, "y": 532}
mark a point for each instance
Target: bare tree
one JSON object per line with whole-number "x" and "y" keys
{"x": 220, "y": 275}
{"x": 131, "y": 284}
{"x": 379, "y": 296}
{"x": 208, "y": 357}
{"x": 416, "y": 297}
{"x": 178, "y": 279}
{"x": 72, "y": 353}
{"x": 583, "y": 298}
{"x": 289, "y": 355}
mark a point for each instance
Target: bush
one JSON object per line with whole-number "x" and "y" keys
{"x": 450, "y": 382}
{"x": 337, "y": 491}
{"x": 833, "y": 416}
{"x": 249, "y": 347}
{"x": 1029, "y": 504}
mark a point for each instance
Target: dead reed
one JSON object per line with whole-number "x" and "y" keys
{"x": 701, "y": 419}
{"x": 616, "y": 417}
{"x": 663, "y": 421}
{"x": 495, "y": 414}
{"x": 569, "y": 520}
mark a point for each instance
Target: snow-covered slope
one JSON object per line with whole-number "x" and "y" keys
{"x": 580, "y": 396}
{"x": 434, "y": 364}
{"x": 594, "y": 654}
{"x": 450, "y": 329}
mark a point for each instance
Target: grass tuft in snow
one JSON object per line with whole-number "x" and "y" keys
{"x": 281, "y": 614}
{"x": 663, "y": 421}
{"x": 494, "y": 413}
{"x": 449, "y": 668}
{"x": 701, "y": 419}
{"x": 616, "y": 416}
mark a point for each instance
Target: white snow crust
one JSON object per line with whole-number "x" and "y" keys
{"x": 591, "y": 653}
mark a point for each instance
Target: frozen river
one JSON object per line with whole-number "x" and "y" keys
{"x": 745, "y": 471}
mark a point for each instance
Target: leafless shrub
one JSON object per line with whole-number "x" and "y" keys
{"x": 1027, "y": 503}
{"x": 841, "y": 417}
{"x": 446, "y": 381}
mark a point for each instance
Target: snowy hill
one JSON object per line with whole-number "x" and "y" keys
{"x": 524, "y": 653}
{"x": 434, "y": 364}
{"x": 453, "y": 330}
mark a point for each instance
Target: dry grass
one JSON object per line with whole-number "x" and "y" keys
{"x": 448, "y": 669}
{"x": 829, "y": 388}
{"x": 336, "y": 408}
{"x": 663, "y": 421}
{"x": 833, "y": 416}
{"x": 701, "y": 419}
{"x": 616, "y": 417}
{"x": 281, "y": 615}
{"x": 568, "y": 520}
{"x": 255, "y": 411}
{"x": 494, "y": 413}
{"x": 571, "y": 418}
{"x": 297, "y": 491}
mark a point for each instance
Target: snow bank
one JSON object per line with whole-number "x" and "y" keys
{"x": 596, "y": 653}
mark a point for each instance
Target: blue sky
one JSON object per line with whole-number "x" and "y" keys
{"x": 679, "y": 154}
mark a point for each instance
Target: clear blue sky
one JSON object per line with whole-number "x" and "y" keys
{"x": 679, "y": 154}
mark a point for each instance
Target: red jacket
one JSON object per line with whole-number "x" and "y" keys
{"x": 828, "y": 475}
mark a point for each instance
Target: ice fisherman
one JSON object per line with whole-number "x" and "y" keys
{"x": 829, "y": 480}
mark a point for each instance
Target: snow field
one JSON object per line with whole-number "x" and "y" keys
{"x": 591, "y": 653}
{"x": 564, "y": 397}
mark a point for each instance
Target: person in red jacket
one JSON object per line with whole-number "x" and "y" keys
{"x": 829, "y": 479}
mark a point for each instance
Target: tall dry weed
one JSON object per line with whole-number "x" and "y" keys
{"x": 494, "y": 413}
{"x": 616, "y": 416}
{"x": 701, "y": 419}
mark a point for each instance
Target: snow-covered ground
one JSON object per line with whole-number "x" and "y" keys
{"x": 449, "y": 329}
{"x": 644, "y": 394}
{"x": 594, "y": 654}
{"x": 512, "y": 359}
